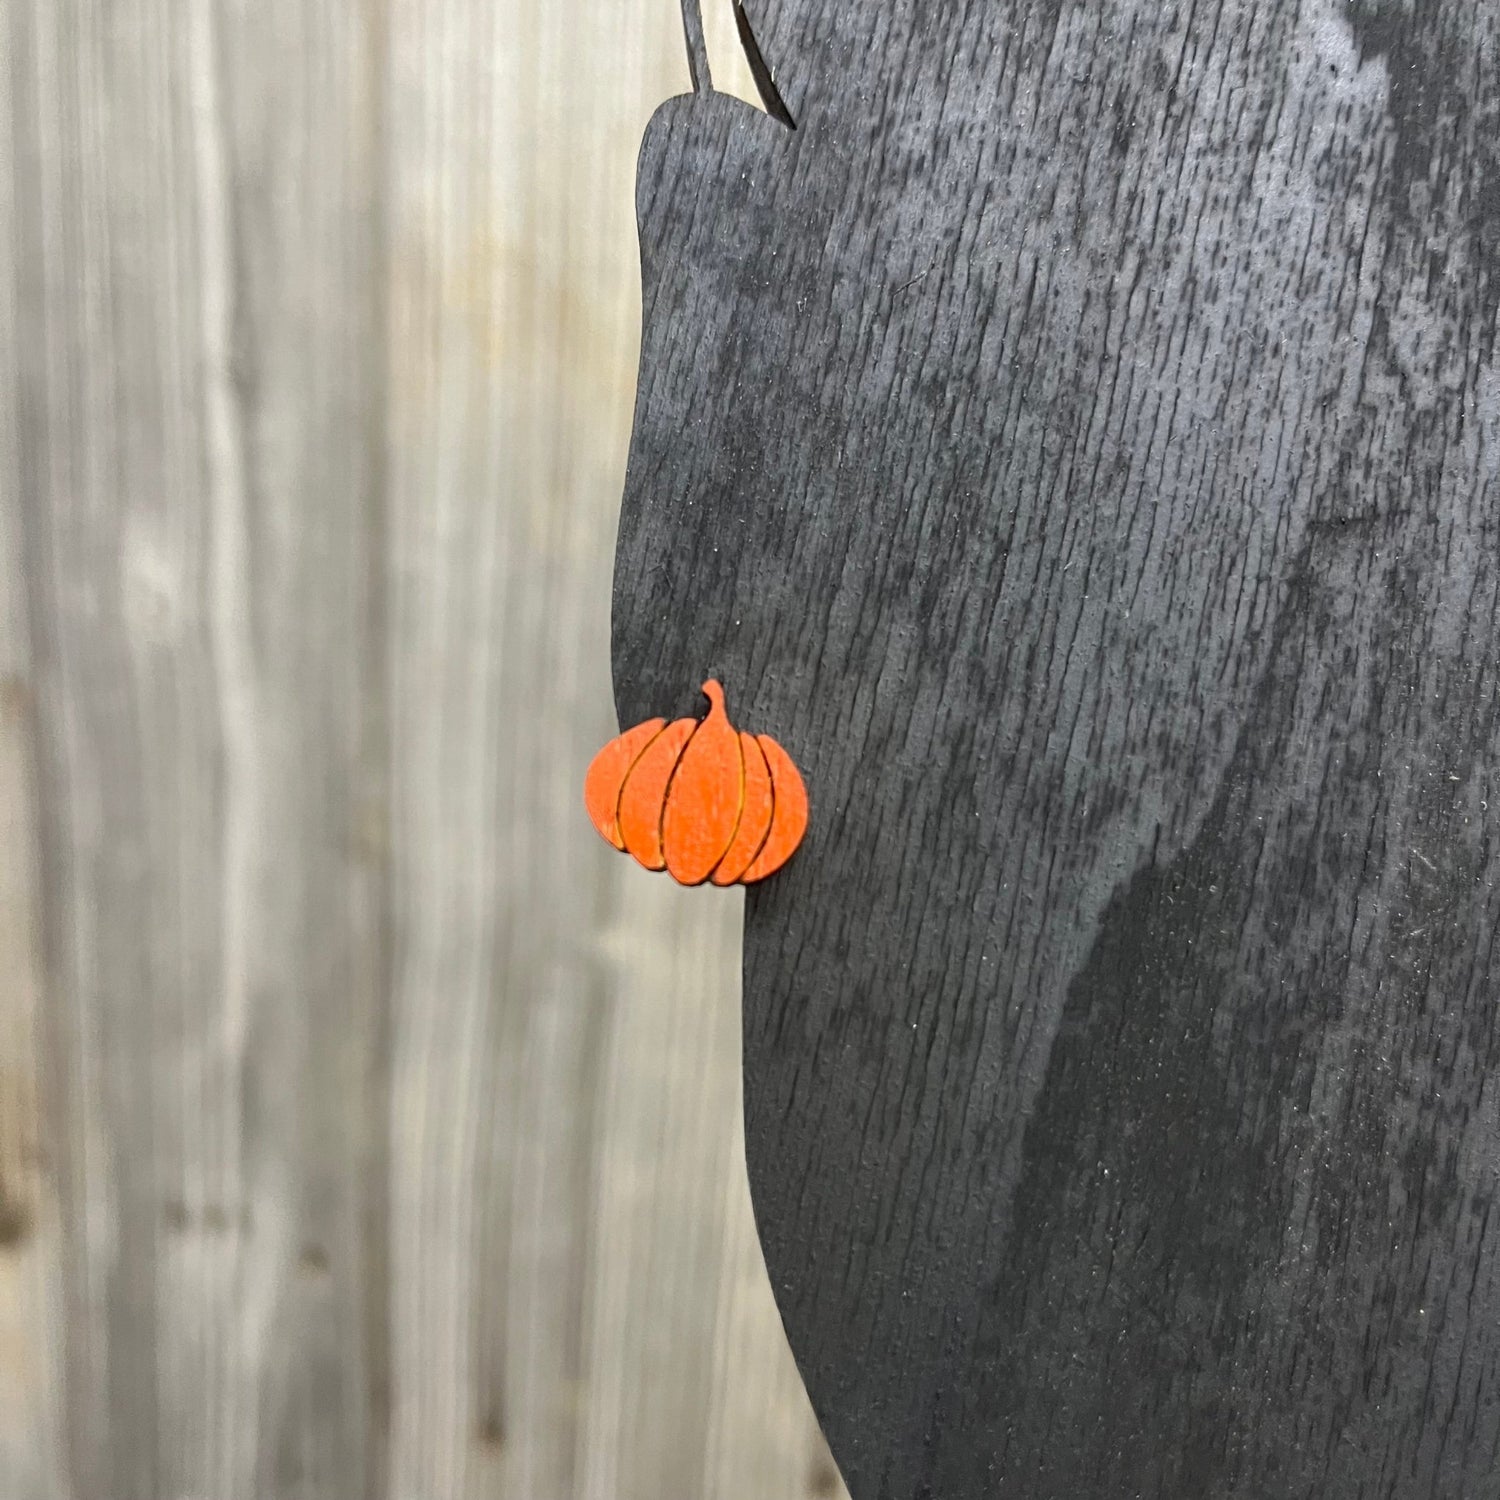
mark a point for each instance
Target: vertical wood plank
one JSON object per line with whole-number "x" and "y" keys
{"x": 30, "y": 1404}
{"x": 763, "y": 1440}
{"x": 199, "y": 498}
{"x": 513, "y": 329}
{"x": 665, "y": 1153}
{"x": 692, "y": 1389}
{"x": 565, "y": 1030}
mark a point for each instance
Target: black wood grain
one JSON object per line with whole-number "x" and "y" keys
{"x": 1079, "y": 444}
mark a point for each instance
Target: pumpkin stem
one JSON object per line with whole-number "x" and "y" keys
{"x": 715, "y": 695}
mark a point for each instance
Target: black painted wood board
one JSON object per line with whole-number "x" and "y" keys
{"x": 1078, "y": 441}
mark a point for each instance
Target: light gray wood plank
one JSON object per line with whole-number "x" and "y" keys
{"x": 513, "y": 331}
{"x": 30, "y": 1391}
{"x": 200, "y": 486}
{"x": 665, "y": 1153}
{"x": 762, "y": 1438}
{"x": 692, "y": 1389}
{"x": 565, "y": 1028}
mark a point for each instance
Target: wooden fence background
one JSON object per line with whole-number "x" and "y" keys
{"x": 367, "y": 1130}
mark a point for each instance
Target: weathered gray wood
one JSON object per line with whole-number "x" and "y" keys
{"x": 565, "y": 1054}
{"x": 391, "y": 1141}
{"x": 31, "y": 1417}
{"x": 200, "y": 483}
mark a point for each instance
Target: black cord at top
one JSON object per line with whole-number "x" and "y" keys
{"x": 697, "y": 48}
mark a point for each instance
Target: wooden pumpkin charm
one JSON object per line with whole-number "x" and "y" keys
{"x": 699, "y": 799}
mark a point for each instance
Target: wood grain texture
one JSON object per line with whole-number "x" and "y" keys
{"x": 565, "y": 1075}
{"x": 377, "y": 1106}
{"x": 1083, "y": 458}
{"x": 200, "y": 494}
{"x": 30, "y": 1389}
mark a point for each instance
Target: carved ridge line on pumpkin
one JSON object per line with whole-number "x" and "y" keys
{"x": 771, "y": 821}
{"x": 606, "y": 774}
{"x": 666, "y": 793}
{"x": 649, "y": 836}
{"x": 634, "y": 762}
{"x": 796, "y": 814}
{"x": 739, "y": 812}
{"x": 667, "y": 797}
{"x": 725, "y": 873}
{"x": 712, "y": 690}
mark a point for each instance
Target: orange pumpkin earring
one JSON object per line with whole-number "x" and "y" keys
{"x": 699, "y": 799}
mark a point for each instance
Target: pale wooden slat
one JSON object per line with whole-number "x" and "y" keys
{"x": 198, "y": 495}
{"x": 725, "y": 54}
{"x": 762, "y": 1439}
{"x": 665, "y": 1153}
{"x": 566, "y": 1030}
{"x": 30, "y": 1391}
{"x": 513, "y": 331}
{"x": 691, "y": 1386}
